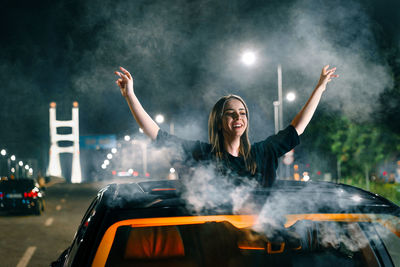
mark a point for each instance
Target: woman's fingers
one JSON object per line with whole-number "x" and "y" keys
{"x": 126, "y": 72}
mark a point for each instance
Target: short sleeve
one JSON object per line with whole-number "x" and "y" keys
{"x": 284, "y": 141}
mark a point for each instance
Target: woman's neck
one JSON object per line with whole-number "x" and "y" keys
{"x": 232, "y": 145}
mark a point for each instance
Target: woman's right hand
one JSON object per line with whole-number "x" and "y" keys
{"x": 124, "y": 82}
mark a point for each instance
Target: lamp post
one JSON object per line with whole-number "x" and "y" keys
{"x": 248, "y": 58}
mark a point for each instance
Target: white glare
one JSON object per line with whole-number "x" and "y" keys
{"x": 356, "y": 198}
{"x": 12, "y": 170}
{"x": 26, "y": 167}
{"x": 3, "y": 152}
{"x": 20, "y": 163}
{"x": 306, "y": 178}
{"x": 160, "y": 118}
{"x": 290, "y": 97}
{"x": 140, "y": 130}
{"x": 30, "y": 170}
{"x": 109, "y": 156}
{"x": 127, "y": 138}
{"x": 130, "y": 171}
{"x": 114, "y": 150}
{"x": 103, "y": 166}
{"x": 172, "y": 170}
{"x": 106, "y": 162}
{"x": 248, "y": 58}
{"x": 12, "y": 157}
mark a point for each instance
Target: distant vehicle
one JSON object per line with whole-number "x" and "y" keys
{"x": 21, "y": 195}
{"x": 291, "y": 224}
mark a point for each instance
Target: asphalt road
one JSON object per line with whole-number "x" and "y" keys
{"x": 29, "y": 240}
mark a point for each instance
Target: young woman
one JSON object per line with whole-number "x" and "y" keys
{"x": 229, "y": 149}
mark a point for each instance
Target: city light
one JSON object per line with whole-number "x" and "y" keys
{"x": 114, "y": 150}
{"x": 141, "y": 130}
{"x": 109, "y": 156}
{"x": 290, "y": 97}
{"x": 106, "y": 162}
{"x": 20, "y": 163}
{"x": 13, "y": 170}
{"x": 3, "y": 152}
{"x": 159, "y": 118}
{"x": 127, "y": 138}
{"x": 172, "y": 170}
{"x": 26, "y": 167}
{"x": 12, "y": 158}
{"x": 248, "y": 58}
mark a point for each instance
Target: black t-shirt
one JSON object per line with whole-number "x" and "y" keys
{"x": 265, "y": 154}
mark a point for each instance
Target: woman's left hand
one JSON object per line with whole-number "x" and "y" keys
{"x": 326, "y": 76}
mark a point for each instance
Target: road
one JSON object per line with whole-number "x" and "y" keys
{"x": 29, "y": 240}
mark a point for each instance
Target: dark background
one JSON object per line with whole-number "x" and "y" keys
{"x": 185, "y": 55}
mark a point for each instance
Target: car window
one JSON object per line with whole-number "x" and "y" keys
{"x": 391, "y": 242}
{"x": 218, "y": 240}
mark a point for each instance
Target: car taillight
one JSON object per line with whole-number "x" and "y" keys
{"x": 1, "y": 194}
{"x": 30, "y": 194}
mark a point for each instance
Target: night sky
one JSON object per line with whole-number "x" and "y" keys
{"x": 184, "y": 55}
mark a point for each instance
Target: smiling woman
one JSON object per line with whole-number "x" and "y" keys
{"x": 229, "y": 149}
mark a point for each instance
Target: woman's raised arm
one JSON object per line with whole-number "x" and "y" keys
{"x": 125, "y": 83}
{"x": 302, "y": 118}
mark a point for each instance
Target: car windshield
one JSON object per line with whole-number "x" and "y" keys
{"x": 247, "y": 240}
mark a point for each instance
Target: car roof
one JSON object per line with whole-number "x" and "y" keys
{"x": 289, "y": 196}
{"x": 18, "y": 183}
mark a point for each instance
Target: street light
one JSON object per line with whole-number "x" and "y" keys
{"x": 3, "y": 152}
{"x": 290, "y": 97}
{"x": 127, "y": 138}
{"x": 248, "y": 58}
{"x": 159, "y": 118}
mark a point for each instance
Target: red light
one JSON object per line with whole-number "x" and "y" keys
{"x": 147, "y": 174}
{"x": 135, "y": 174}
{"x": 384, "y": 173}
{"x": 1, "y": 194}
{"x": 319, "y": 172}
{"x": 308, "y": 165}
{"x": 114, "y": 172}
{"x": 31, "y": 194}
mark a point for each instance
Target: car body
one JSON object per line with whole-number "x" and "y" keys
{"x": 290, "y": 224}
{"x": 21, "y": 195}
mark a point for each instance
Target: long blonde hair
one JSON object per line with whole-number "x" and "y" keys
{"x": 216, "y": 137}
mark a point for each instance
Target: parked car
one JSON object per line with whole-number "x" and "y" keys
{"x": 290, "y": 224}
{"x": 21, "y": 195}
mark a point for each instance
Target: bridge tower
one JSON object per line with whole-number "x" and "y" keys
{"x": 54, "y": 168}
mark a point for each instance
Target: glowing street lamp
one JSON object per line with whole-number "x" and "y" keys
{"x": 114, "y": 150}
{"x": 248, "y": 58}
{"x": 3, "y": 152}
{"x": 12, "y": 158}
{"x": 109, "y": 156}
{"x": 21, "y": 163}
{"x": 127, "y": 138}
{"x": 159, "y": 118}
{"x": 290, "y": 97}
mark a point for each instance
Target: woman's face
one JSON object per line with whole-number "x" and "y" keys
{"x": 234, "y": 118}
